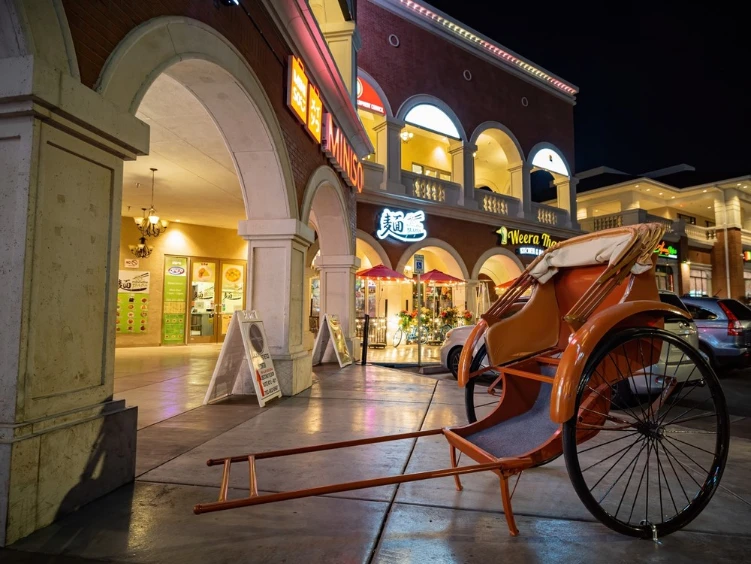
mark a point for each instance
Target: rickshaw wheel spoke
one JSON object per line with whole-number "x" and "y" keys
{"x": 675, "y": 419}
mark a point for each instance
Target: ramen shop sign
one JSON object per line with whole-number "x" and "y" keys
{"x": 340, "y": 152}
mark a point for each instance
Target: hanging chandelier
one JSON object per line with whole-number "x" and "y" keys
{"x": 142, "y": 250}
{"x": 150, "y": 225}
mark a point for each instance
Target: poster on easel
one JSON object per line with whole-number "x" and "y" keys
{"x": 244, "y": 366}
{"x": 330, "y": 343}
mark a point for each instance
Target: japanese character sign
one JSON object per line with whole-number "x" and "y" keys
{"x": 402, "y": 227}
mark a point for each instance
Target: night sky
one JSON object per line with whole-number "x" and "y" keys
{"x": 659, "y": 84}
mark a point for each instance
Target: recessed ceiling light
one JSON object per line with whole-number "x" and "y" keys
{"x": 647, "y": 189}
{"x": 738, "y": 184}
{"x": 637, "y": 185}
{"x": 660, "y": 193}
{"x": 672, "y": 197}
{"x": 709, "y": 207}
{"x": 177, "y": 220}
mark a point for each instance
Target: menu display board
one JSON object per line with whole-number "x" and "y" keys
{"x": 330, "y": 343}
{"x": 132, "y": 302}
{"x": 175, "y": 299}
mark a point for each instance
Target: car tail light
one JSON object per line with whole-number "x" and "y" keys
{"x": 735, "y": 328}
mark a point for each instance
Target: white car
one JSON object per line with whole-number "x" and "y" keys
{"x": 452, "y": 347}
{"x": 674, "y": 366}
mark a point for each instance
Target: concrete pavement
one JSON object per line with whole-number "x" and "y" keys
{"x": 152, "y": 520}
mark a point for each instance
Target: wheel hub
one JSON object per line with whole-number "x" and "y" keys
{"x": 651, "y": 429}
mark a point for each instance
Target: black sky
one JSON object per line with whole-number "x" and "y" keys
{"x": 660, "y": 84}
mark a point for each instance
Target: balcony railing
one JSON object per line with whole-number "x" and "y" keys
{"x": 497, "y": 203}
{"x": 431, "y": 189}
{"x": 549, "y": 215}
{"x": 629, "y": 217}
{"x": 701, "y": 234}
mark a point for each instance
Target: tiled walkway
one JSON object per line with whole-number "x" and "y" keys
{"x": 152, "y": 520}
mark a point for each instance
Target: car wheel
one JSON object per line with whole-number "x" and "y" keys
{"x": 453, "y": 361}
{"x": 707, "y": 350}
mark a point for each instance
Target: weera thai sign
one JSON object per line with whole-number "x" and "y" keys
{"x": 508, "y": 236}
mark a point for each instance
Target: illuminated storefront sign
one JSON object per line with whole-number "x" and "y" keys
{"x": 314, "y": 124}
{"x": 407, "y": 227}
{"x": 297, "y": 89}
{"x": 530, "y": 251}
{"x": 517, "y": 237}
{"x": 368, "y": 99}
{"x": 343, "y": 157}
{"x": 666, "y": 251}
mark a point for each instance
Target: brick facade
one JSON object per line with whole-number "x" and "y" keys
{"x": 427, "y": 64}
{"x": 98, "y": 27}
{"x": 719, "y": 274}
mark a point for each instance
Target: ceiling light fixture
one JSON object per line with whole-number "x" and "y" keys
{"x": 142, "y": 250}
{"x": 150, "y": 225}
{"x": 406, "y": 136}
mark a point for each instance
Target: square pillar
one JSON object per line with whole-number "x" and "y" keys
{"x": 463, "y": 171}
{"x": 566, "y": 188}
{"x": 727, "y": 264}
{"x": 338, "y": 290}
{"x": 521, "y": 188}
{"x": 389, "y": 154}
{"x": 276, "y": 278}
{"x": 63, "y": 441}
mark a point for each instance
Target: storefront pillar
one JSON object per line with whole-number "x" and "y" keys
{"x": 338, "y": 290}
{"x": 566, "y": 189}
{"x": 276, "y": 267}
{"x": 463, "y": 171}
{"x": 389, "y": 154}
{"x": 727, "y": 265}
{"x": 63, "y": 441}
{"x": 521, "y": 188}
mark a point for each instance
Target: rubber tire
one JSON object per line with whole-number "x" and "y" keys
{"x": 718, "y": 465}
{"x": 469, "y": 389}
{"x": 452, "y": 360}
{"x": 707, "y": 350}
{"x": 394, "y": 341}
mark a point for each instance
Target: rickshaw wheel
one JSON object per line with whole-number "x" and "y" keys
{"x": 647, "y": 470}
{"x": 477, "y": 401}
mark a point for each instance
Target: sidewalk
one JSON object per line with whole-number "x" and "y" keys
{"x": 152, "y": 520}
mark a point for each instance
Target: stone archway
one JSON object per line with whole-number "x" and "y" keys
{"x": 325, "y": 208}
{"x": 209, "y": 66}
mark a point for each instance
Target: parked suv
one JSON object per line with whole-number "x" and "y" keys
{"x": 724, "y": 330}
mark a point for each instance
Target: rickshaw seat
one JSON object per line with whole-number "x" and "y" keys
{"x": 521, "y": 434}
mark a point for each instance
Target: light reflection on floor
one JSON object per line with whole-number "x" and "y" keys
{"x": 405, "y": 354}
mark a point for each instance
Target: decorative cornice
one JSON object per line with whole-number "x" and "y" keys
{"x": 444, "y": 26}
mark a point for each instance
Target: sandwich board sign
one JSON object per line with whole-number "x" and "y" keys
{"x": 244, "y": 366}
{"x": 330, "y": 343}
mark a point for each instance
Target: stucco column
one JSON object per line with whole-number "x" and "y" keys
{"x": 63, "y": 441}
{"x": 521, "y": 188}
{"x": 276, "y": 278}
{"x": 566, "y": 188}
{"x": 463, "y": 171}
{"x": 338, "y": 290}
{"x": 344, "y": 41}
{"x": 389, "y": 154}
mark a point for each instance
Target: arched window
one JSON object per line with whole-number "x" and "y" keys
{"x": 430, "y": 117}
{"x": 551, "y": 161}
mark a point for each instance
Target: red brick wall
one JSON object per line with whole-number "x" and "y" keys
{"x": 735, "y": 262}
{"x": 97, "y": 27}
{"x": 426, "y": 64}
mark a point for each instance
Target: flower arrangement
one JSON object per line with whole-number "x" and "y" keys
{"x": 449, "y": 316}
{"x": 467, "y": 317}
{"x": 406, "y": 318}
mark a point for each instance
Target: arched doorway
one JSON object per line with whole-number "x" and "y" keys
{"x": 497, "y": 158}
{"x": 495, "y": 267}
{"x": 251, "y": 183}
{"x": 333, "y": 277}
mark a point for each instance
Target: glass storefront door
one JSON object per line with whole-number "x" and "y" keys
{"x": 216, "y": 291}
{"x": 201, "y": 295}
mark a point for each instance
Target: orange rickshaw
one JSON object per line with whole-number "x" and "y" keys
{"x": 585, "y": 369}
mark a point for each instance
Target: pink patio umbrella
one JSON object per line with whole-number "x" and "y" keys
{"x": 436, "y": 277}
{"x": 381, "y": 272}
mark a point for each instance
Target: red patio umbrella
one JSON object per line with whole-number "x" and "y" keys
{"x": 381, "y": 272}
{"x": 438, "y": 277}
